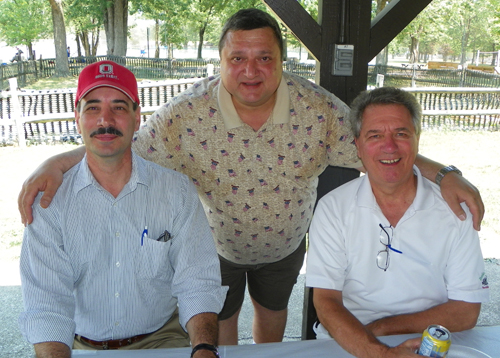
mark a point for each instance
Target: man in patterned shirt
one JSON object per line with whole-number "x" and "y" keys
{"x": 254, "y": 141}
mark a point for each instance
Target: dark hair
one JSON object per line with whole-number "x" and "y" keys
{"x": 384, "y": 95}
{"x": 251, "y": 19}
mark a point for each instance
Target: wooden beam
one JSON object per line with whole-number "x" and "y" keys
{"x": 391, "y": 21}
{"x": 298, "y": 21}
{"x": 352, "y": 28}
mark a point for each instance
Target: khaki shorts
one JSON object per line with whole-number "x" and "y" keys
{"x": 269, "y": 284}
{"x": 171, "y": 335}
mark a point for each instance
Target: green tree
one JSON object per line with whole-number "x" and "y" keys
{"x": 23, "y": 22}
{"x": 87, "y": 20}
{"x": 170, "y": 29}
{"x": 206, "y": 17}
{"x": 201, "y": 15}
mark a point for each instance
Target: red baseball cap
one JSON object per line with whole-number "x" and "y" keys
{"x": 107, "y": 74}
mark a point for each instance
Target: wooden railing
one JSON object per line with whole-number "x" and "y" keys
{"x": 47, "y": 116}
{"x": 459, "y": 108}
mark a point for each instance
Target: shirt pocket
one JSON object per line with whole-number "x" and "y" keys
{"x": 152, "y": 260}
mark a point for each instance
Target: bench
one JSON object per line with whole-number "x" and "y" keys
{"x": 482, "y": 68}
{"x": 433, "y": 65}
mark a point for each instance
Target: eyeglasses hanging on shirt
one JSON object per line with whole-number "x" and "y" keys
{"x": 383, "y": 255}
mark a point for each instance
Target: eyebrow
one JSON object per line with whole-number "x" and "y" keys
{"x": 94, "y": 101}
{"x": 242, "y": 52}
{"x": 400, "y": 129}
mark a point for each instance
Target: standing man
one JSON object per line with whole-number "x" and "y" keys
{"x": 124, "y": 257}
{"x": 253, "y": 141}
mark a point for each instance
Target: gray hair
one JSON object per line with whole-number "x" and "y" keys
{"x": 384, "y": 95}
{"x": 251, "y": 19}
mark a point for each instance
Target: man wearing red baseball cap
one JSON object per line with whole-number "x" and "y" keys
{"x": 124, "y": 258}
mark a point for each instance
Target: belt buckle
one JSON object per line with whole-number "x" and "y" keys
{"x": 105, "y": 345}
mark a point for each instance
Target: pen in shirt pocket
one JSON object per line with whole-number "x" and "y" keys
{"x": 166, "y": 236}
{"x": 144, "y": 235}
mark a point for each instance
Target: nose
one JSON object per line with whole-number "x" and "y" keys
{"x": 251, "y": 69}
{"x": 106, "y": 117}
{"x": 389, "y": 144}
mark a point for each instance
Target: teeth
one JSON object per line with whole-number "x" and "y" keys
{"x": 392, "y": 161}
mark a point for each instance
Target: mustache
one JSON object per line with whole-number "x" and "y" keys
{"x": 107, "y": 130}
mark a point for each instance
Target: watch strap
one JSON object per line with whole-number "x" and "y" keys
{"x": 205, "y": 346}
{"x": 441, "y": 173}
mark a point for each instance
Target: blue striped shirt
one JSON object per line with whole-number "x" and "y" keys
{"x": 86, "y": 269}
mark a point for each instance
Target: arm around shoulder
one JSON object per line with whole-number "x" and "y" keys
{"x": 47, "y": 178}
{"x": 455, "y": 189}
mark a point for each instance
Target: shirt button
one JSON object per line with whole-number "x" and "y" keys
{"x": 117, "y": 323}
{"x": 117, "y": 234}
{"x": 117, "y": 295}
{"x": 118, "y": 264}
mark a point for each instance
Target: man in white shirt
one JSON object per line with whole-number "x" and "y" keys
{"x": 386, "y": 254}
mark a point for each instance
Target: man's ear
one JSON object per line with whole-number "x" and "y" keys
{"x": 357, "y": 148}
{"x": 137, "y": 118}
{"x": 77, "y": 120}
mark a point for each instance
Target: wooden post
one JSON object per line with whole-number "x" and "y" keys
{"x": 16, "y": 112}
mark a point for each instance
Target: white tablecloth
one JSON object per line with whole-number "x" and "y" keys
{"x": 484, "y": 339}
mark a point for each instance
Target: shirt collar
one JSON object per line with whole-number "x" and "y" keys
{"x": 281, "y": 111}
{"x": 84, "y": 177}
{"x": 366, "y": 198}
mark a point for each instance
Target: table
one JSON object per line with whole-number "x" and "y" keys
{"x": 485, "y": 339}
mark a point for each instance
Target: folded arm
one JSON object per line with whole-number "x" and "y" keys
{"x": 350, "y": 333}
{"x": 454, "y": 315}
{"x": 47, "y": 178}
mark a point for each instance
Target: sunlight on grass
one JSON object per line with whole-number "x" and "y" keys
{"x": 53, "y": 83}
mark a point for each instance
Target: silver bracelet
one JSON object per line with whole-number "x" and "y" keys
{"x": 440, "y": 175}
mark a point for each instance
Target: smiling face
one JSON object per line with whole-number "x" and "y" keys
{"x": 251, "y": 66}
{"x": 107, "y": 122}
{"x": 388, "y": 145}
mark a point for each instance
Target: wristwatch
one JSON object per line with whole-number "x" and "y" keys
{"x": 440, "y": 175}
{"x": 205, "y": 346}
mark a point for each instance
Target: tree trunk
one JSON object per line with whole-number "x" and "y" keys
{"x": 62, "y": 66}
{"x": 170, "y": 51}
{"x": 383, "y": 57}
{"x": 78, "y": 45}
{"x": 464, "y": 42}
{"x": 31, "y": 54}
{"x": 95, "y": 41}
{"x": 201, "y": 34}
{"x": 414, "y": 49}
{"x": 157, "y": 38}
{"x": 116, "y": 26}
